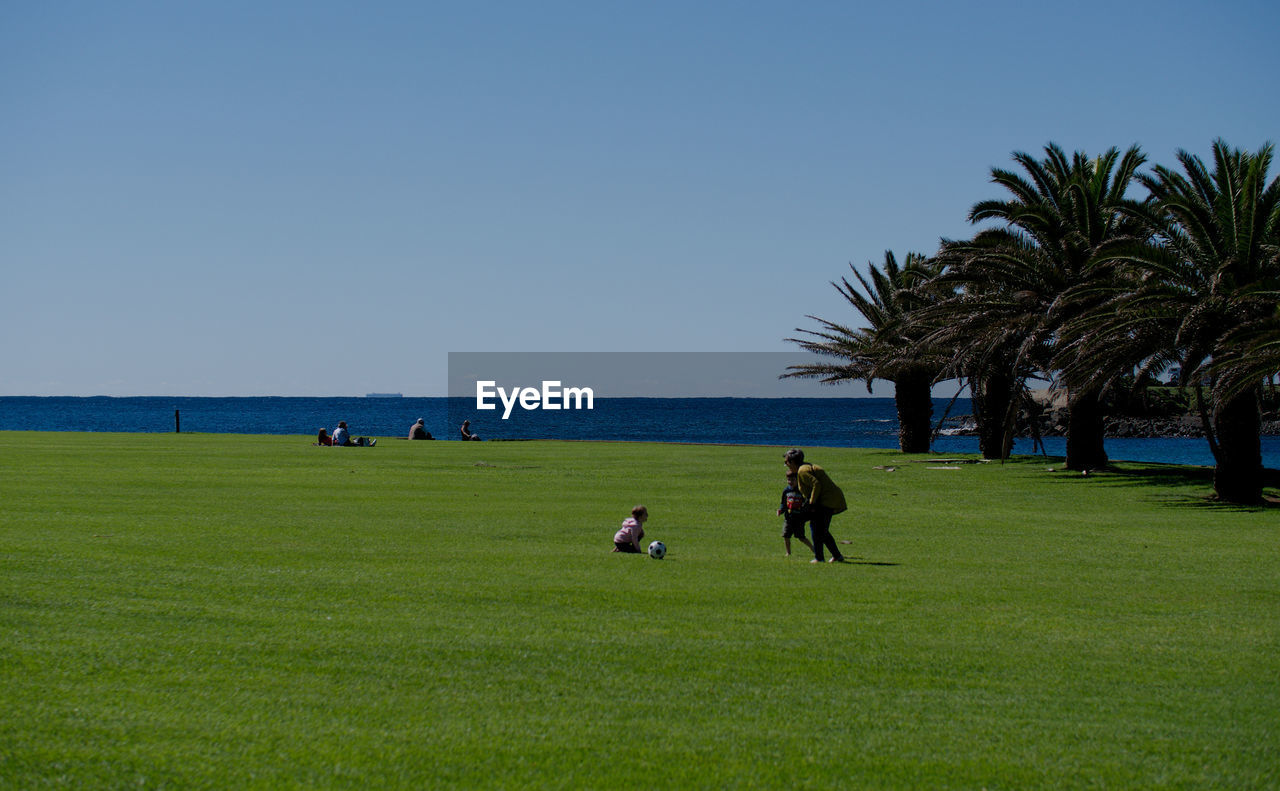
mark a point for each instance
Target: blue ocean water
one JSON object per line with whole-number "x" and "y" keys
{"x": 803, "y": 422}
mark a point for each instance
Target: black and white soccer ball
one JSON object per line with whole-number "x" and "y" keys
{"x": 657, "y": 550}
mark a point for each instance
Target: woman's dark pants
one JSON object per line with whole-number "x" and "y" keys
{"x": 820, "y": 526}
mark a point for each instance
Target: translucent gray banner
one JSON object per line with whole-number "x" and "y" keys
{"x": 639, "y": 374}
{"x": 627, "y": 395}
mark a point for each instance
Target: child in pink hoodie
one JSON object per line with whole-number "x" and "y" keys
{"x": 627, "y": 539}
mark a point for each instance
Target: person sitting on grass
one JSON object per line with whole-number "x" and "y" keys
{"x": 795, "y": 512}
{"x": 323, "y": 437}
{"x": 342, "y": 438}
{"x": 467, "y": 436}
{"x": 419, "y": 431}
{"x": 627, "y": 539}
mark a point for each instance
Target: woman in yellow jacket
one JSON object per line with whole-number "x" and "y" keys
{"x": 825, "y": 501}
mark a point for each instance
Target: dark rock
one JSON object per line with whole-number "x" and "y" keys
{"x": 1054, "y": 424}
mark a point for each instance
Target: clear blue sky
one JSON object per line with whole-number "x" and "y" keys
{"x": 322, "y": 198}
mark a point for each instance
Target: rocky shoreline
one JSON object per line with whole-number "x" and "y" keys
{"x": 1054, "y": 424}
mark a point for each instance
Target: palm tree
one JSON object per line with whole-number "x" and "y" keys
{"x": 1256, "y": 355}
{"x": 980, "y": 350}
{"x": 885, "y": 349}
{"x": 1021, "y": 282}
{"x": 1203, "y": 290}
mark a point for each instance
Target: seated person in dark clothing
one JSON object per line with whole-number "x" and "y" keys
{"x": 323, "y": 437}
{"x": 466, "y": 432}
{"x": 419, "y": 431}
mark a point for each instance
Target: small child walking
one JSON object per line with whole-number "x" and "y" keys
{"x": 627, "y": 539}
{"x": 795, "y": 512}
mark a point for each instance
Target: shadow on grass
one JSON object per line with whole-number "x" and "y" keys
{"x": 854, "y": 560}
{"x": 1192, "y": 487}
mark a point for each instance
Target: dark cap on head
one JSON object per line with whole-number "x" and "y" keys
{"x": 795, "y": 455}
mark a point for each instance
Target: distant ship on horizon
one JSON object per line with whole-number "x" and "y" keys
{"x": 384, "y": 395}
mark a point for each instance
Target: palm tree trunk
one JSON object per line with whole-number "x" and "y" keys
{"x": 1238, "y": 476}
{"x": 1085, "y": 432}
{"x": 1207, "y": 424}
{"x": 992, "y": 393}
{"x": 914, "y": 399}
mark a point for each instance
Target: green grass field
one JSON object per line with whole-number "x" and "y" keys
{"x": 212, "y": 611}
